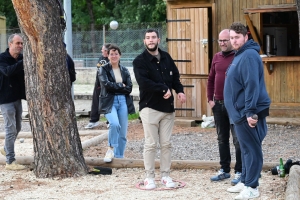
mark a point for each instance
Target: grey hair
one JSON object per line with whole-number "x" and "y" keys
{"x": 11, "y": 37}
{"x": 106, "y": 46}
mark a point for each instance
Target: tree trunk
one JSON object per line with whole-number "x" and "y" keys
{"x": 57, "y": 145}
{"x": 92, "y": 18}
{"x": 298, "y": 13}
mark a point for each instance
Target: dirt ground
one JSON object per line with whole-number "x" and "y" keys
{"x": 135, "y": 133}
{"x": 122, "y": 184}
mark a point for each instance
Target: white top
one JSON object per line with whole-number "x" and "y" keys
{"x": 118, "y": 76}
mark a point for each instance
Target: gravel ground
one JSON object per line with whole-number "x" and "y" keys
{"x": 190, "y": 143}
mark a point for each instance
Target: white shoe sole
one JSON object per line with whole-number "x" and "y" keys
{"x": 107, "y": 160}
{"x": 3, "y": 152}
{"x": 150, "y": 188}
{"x": 236, "y": 188}
{"x": 233, "y": 191}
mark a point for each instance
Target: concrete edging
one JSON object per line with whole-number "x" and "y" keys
{"x": 292, "y": 187}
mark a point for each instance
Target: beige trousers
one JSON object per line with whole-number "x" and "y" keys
{"x": 158, "y": 128}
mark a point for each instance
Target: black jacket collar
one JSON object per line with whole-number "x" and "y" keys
{"x": 151, "y": 57}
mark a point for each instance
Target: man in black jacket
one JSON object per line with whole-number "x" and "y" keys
{"x": 12, "y": 90}
{"x": 157, "y": 75}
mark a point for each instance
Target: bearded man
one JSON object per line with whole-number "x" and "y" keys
{"x": 157, "y": 75}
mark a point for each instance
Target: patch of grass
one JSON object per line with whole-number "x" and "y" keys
{"x": 133, "y": 116}
{"x": 130, "y": 117}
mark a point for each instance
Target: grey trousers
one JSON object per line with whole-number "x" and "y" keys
{"x": 158, "y": 128}
{"x": 12, "y": 114}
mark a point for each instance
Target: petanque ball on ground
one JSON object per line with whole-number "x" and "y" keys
{"x": 21, "y": 140}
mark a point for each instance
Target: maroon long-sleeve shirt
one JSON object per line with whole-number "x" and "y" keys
{"x": 216, "y": 78}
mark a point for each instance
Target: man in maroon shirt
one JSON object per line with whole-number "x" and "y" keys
{"x": 215, "y": 87}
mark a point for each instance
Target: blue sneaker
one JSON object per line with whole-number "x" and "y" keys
{"x": 237, "y": 178}
{"x": 220, "y": 176}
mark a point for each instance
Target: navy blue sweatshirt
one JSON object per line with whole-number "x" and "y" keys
{"x": 245, "y": 91}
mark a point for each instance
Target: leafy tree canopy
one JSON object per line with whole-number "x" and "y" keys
{"x": 103, "y": 11}
{"x": 7, "y": 10}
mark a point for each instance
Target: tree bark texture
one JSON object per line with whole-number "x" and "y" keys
{"x": 92, "y": 18}
{"x": 298, "y": 13}
{"x": 57, "y": 145}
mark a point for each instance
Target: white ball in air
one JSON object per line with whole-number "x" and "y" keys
{"x": 114, "y": 25}
{"x": 21, "y": 140}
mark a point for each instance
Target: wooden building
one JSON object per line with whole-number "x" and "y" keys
{"x": 193, "y": 28}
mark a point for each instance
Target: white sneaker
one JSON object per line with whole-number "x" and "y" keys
{"x": 14, "y": 166}
{"x": 2, "y": 151}
{"x": 237, "y": 188}
{"x": 149, "y": 184}
{"x": 92, "y": 125}
{"x": 167, "y": 181}
{"x": 109, "y": 155}
{"x": 248, "y": 193}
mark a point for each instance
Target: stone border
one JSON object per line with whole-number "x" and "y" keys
{"x": 293, "y": 184}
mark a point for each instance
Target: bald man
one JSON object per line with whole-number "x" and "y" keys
{"x": 215, "y": 87}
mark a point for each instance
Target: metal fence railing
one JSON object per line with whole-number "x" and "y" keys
{"x": 87, "y": 44}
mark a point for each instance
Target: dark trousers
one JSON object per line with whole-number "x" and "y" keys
{"x": 250, "y": 140}
{"x": 94, "y": 115}
{"x": 224, "y": 127}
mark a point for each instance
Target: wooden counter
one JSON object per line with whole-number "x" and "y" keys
{"x": 268, "y": 61}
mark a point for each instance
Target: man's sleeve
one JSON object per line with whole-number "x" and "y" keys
{"x": 211, "y": 81}
{"x": 10, "y": 70}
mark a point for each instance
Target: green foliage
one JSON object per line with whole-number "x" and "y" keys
{"x": 103, "y": 11}
{"x": 7, "y": 10}
{"x": 137, "y": 11}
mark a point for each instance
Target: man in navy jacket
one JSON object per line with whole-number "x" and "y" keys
{"x": 245, "y": 95}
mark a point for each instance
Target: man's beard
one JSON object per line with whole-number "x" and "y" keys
{"x": 152, "y": 49}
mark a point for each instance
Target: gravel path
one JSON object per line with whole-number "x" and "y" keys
{"x": 191, "y": 143}
{"x": 201, "y": 144}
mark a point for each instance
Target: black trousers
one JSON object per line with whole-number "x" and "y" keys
{"x": 94, "y": 114}
{"x": 224, "y": 127}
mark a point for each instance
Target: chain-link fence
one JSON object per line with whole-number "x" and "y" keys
{"x": 87, "y": 44}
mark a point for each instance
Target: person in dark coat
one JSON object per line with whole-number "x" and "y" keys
{"x": 94, "y": 115}
{"x": 157, "y": 76}
{"x": 12, "y": 91}
{"x": 245, "y": 95}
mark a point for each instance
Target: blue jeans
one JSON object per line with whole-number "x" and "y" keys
{"x": 223, "y": 130}
{"x": 118, "y": 124}
{"x": 12, "y": 115}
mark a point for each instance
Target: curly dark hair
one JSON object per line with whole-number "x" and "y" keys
{"x": 239, "y": 28}
{"x": 114, "y": 48}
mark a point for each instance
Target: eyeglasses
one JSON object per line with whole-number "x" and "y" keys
{"x": 224, "y": 41}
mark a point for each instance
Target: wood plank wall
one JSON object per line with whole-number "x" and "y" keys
{"x": 187, "y": 27}
{"x": 283, "y": 84}
{"x": 228, "y": 11}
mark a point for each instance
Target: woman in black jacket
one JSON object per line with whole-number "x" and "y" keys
{"x": 115, "y": 102}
